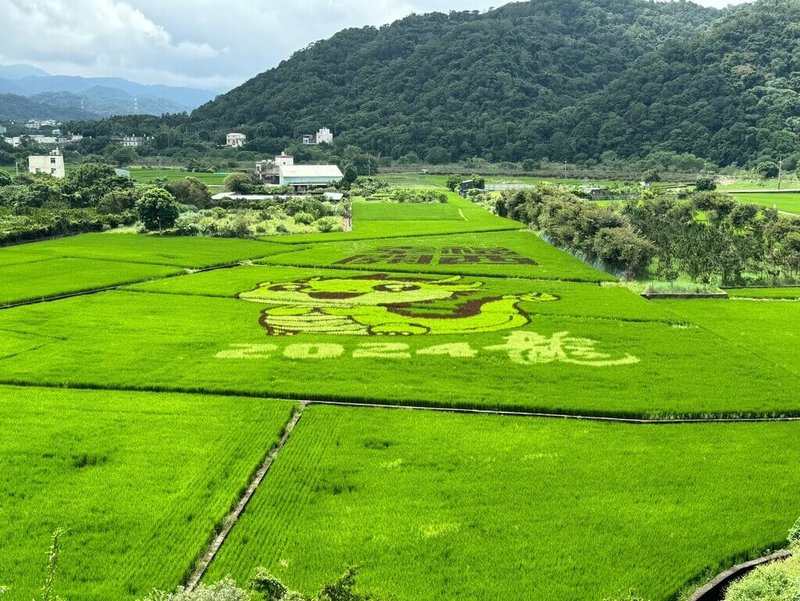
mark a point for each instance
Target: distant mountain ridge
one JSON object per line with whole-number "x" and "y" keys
{"x": 20, "y": 108}
{"x": 564, "y": 80}
{"x": 96, "y": 97}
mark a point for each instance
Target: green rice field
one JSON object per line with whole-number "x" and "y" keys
{"x": 375, "y": 211}
{"x": 138, "y": 481}
{"x": 788, "y": 293}
{"x": 145, "y": 175}
{"x": 135, "y": 413}
{"x": 537, "y": 509}
{"x": 373, "y": 221}
{"x": 787, "y": 203}
{"x": 518, "y": 254}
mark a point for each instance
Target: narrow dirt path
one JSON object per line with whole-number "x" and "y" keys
{"x": 230, "y": 520}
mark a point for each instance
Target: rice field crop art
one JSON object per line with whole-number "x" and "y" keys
{"x": 520, "y": 254}
{"x": 379, "y": 304}
{"x": 588, "y": 349}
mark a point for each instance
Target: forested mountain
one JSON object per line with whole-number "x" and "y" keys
{"x": 567, "y": 80}
{"x": 458, "y": 85}
{"x": 731, "y": 94}
{"x": 19, "y": 108}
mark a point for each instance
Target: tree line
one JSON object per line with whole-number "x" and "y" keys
{"x": 91, "y": 198}
{"x": 706, "y": 236}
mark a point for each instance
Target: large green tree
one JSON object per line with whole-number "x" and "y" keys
{"x": 157, "y": 209}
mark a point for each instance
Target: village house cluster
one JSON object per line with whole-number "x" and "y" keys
{"x": 323, "y": 136}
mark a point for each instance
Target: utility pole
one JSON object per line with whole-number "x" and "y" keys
{"x": 565, "y": 170}
{"x": 780, "y": 172}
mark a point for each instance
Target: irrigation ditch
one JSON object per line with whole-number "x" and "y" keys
{"x": 236, "y": 512}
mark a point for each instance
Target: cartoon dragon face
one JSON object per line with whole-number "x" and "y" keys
{"x": 378, "y": 305}
{"x": 361, "y": 291}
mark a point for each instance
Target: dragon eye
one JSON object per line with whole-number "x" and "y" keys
{"x": 286, "y": 287}
{"x": 397, "y": 287}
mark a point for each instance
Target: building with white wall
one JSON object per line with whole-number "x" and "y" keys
{"x": 235, "y": 140}
{"x": 51, "y": 164}
{"x": 309, "y": 176}
{"x": 284, "y": 160}
{"x": 323, "y": 136}
{"x": 133, "y": 141}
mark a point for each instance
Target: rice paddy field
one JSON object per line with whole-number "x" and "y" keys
{"x": 787, "y": 293}
{"x": 511, "y": 508}
{"x": 144, "y": 379}
{"x": 787, "y": 203}
{"x": 139, "y": 481}
{"x": 145, "y": 175}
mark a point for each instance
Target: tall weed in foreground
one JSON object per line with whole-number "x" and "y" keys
{"x": 629, "y": 596}
{"x": 48, "y": 590}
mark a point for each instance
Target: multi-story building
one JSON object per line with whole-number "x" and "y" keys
{"x": 133, "y": 141}
{"x": 51, "y": 164}
{"x": 323, "y": 136}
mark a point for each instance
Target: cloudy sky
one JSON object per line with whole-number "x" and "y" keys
{"x": 214, "y": 44}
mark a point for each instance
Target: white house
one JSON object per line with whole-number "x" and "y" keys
{"x": 132, "y": 141}
{"x": 309, "y": 176}
{"x": 235, "y": 140}
{"x": 323, "y": 136}
{"x": 52, "y": 164}
{"x": 16, "y": 141}
{"x": 284, "y": 160}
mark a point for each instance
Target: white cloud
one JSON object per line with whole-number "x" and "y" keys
{"x": 204, "y": 43}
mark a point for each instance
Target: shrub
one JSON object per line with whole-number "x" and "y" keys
{"x": 778, "y": 581}
{"x": 767, "y": 169}
{"x": 629, "y": 596}
{"x": 327, "y": 224}
{"x": 651, "y": 175}
{"x": 705, "y": 185}
{"x": 240, "y": 183}
{"x": 794, "y": 534}
{"x": 190, "y": 191}
{"x": 224, "y": 590}
{"x": 303, "y": 218}
{"x": 267, "y": 586}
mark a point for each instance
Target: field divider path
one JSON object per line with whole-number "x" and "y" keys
{"x": 404, "y": 271}
{"x": 233, "y": 516}
{"x": 184, "y": 271}
{"x": 400, "y": 406}
{"x": 369, "y": 238}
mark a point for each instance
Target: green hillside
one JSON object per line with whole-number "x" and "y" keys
{"x": 459, "y": 85}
